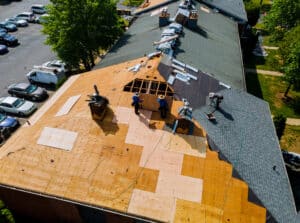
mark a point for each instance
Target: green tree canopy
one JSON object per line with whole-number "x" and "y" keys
{"x": 289, "y": 49}
{"x": 284, "y": 15}
{"x": 5, "y": 214}
{"x": 77, "y": 29}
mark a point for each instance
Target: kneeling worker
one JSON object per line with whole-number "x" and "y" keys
{"x": 163, "y": 106}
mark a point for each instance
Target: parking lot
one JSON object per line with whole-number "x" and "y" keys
{"x": 20, "y": 59}
{"x": 32, "y": 51}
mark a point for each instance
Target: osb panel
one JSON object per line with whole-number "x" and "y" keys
{"x": 147, "y": 180}
{"x": 164, "y": 161}
{"x": 184, "y": 144}
{"x": 187, "y": 211}
{"x": 152, "y": 205}
{"x": 157, "y": 122}
{"x": 182, "y": 187}
{"x": 193, "y": 166}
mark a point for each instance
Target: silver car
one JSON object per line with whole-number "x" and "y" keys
{"x": 17, "y": 106}
{"x": 18, "y": 22}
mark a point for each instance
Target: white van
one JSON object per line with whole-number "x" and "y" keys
{"x": 40, "y": 74}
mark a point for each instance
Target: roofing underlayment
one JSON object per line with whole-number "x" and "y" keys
{"x": 213, "y": 47}
{"x": 126, "y": 163}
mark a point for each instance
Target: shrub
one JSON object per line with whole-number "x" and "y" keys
{"x": 279, "y": 122}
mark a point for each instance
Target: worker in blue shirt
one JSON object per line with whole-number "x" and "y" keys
{"x": 163, "y": 106}
{"x": 136, "y": 102}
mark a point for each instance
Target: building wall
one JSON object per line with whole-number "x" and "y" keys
{"x": 27, "y": 206}
{"x": 32, "y": 208}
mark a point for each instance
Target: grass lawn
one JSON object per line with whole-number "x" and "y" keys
{"x": 270, "y": 62}
{"x": 272, "y": 89}
{"x": 290, "y": 140}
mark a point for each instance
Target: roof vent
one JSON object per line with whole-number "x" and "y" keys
{"x": 98, "y": 105}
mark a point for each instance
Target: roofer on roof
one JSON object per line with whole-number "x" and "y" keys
{"x": 136, "y": 102}
{"x": 163, "y": 106}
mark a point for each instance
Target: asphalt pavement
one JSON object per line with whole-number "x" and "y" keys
{"x": 32, "y": 51}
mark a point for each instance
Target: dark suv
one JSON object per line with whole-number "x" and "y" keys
{"x": 8, "y": 40}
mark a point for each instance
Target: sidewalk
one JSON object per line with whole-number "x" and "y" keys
{"x": 293, "y": 121}
{"x": 271, "y": 47}
{"x": 265, "y": 72}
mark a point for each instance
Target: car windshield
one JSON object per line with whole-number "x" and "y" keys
{"x": 31, "y": 88}
{"x": 2, "y": 117}
{"x": 18, "y": 103}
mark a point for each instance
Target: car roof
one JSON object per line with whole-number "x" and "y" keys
{"x": 38, "y": 5}
{"x": 8, "y": 100}
{"x": 22, "y": 86}
{"x": 2, "y": 46}
{"x": 25, "y": 13}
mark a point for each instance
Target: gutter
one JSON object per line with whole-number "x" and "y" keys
{"x": 241, "y": 57}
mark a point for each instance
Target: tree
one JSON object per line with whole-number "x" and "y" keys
{"x": 289, "y": 49}
{"x": 283, "y": 16}
{"x": 5, "y": 214}
{"x": 292, "y": 68}
{"x": 77, "y": 29}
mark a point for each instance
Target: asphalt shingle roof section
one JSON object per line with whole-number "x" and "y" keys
{"x": 234, "y": 8}
{"x": 244, "y": 134}
{"x": 213, "y": 48}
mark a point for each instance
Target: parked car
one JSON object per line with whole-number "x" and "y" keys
{"x": 3, "y": 30}
{"x": 18, "y": 22}
{"x": 8, "y": 40}
{"x": 58, "y": 64}
{"x": 8, "y": 122}
{"x": 45, "y": 75}
{"x": 3, "y": 49}
{"x": 10, "y": 27}
{"x": 28, "y": 91}
{"x": 38, "y": 9}
{"x": 28, "y": 16}
{"x": 17, "y": 106}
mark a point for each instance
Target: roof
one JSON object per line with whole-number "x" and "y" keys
{"x": 125, "y": 163}
{"x": 213, "y": 48}
{"x": 235, "y": 8}
{"x": 245, "y": 136}
{"x": 20, "y": 86}
{"x": 241, "y": 139}
{"x": 195, "y": 91}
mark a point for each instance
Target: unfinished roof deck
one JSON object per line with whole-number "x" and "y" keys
{"x": 126, "y": 163}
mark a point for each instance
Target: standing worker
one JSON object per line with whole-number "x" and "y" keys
{"x": 163, "y": 106}
{"x": 136, "y": 102}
